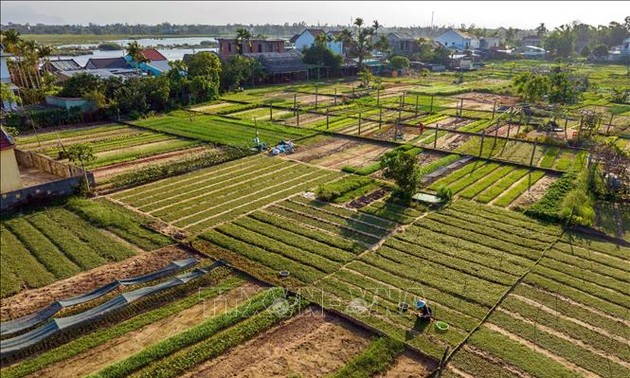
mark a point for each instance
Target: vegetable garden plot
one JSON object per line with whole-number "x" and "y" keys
{"x": 111, "y": 144}
{"x": 40, "y": 248}
{"x": 28, "y": 321}
{"x": 220, "y": 130}
{"x": 211, "y": 196}
{"x": 308, "y": 238}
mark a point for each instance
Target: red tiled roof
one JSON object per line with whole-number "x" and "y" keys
{"x": 153, "y": 55}
{"x": 5, "y": 140}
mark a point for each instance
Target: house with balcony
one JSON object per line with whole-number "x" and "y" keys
{"x": 228, "y": 46}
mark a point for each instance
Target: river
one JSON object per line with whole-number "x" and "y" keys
{"x": 171, "y": 53}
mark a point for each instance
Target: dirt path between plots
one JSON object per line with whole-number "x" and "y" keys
{"x": 105, "y": 172}
{"x": 580, "y": 305}
{"x": 553, "y": 312}
{"x": 569, "y": 365}
{"x": 29, "y": 301}
{"x": 312, "y": 344}
{"x": 567, "y": 338}
{"x": 124, "y": 346}
{"x": 534, "y": 194}
{"x": 409, "y": 365}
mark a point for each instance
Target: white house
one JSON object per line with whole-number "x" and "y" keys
{"x": 5, "y": 77}
{"x": 487, "y": 43}
{"x": 455, "y": 39}
{"x": 307, "y": 38}
{"x": 621, "y": 52}
{"x": 532, "y": 51}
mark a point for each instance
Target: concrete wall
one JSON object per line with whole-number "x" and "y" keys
{"x": 32, "y": 159}
{"x": 69, "y": 178}
{"x": 59, "y": 188}
{"x": 10, "y": 179}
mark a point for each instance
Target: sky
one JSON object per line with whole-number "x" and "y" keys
{"x": 489, "y": 14}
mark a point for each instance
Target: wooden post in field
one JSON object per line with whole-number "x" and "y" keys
{"x": 353, "y": 91}
{"x": 359, "y": 124}
{"x": 431, "y": 111}
{"x": 518, "y": 129}
{"x": 335, "y": 96}
{"x": 270, "y": 111}
{"x": 461, "y": 107}
{"x": 496, "y": 135}
{"x": 417, "y": 104}
{"x": 327, "y": 117}
{"x": 295, "y": 103}
{"x": 402, "y": 100}
{"x": 494, "y": 109}
{"x": 483, "y": 134}
{"x": 566, "y": 124}
{"x": 298, "y": 116}
{"x": 316, "y": 94}
{"x": 378, "y": 96}
{"x": 400, "y": 109}
{"x": 437, "y": 126}
{"x": 508, "y": 132}
{"x": 380, "y": 117}
{"x": 531, "y": 160}
{"x": 609, "y": 124}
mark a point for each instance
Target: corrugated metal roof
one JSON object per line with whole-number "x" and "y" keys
{"x": 64, "y": 64}
{"x": 96, "y": 63}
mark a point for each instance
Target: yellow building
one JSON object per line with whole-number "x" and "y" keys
{"x": 9, "y": 173}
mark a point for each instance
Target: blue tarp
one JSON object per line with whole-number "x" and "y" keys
{"x": 17, "y": 343}
{"x": 17, "y": 325}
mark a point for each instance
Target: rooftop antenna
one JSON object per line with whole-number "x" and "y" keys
{"x": 432, "y": 12}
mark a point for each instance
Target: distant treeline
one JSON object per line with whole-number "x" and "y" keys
{"x": 286, "y": 30}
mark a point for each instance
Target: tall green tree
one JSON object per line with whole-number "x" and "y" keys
{"x": 81, "y": 153}
{"x": 359, "y": 41}
{"x": 403, "y": 169}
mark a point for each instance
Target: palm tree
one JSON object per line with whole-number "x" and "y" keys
{"x": 135, "y": 52}
{"x": 376, "y": 26}
{"x": 541, "y": 30}
{"x": 11, "y": 40}
{"x": 43, "y": 53}
{"x": 322, "y": 39}
{"x": 242, "y": 35}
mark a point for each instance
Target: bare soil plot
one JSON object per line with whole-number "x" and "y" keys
{"x": 452, "y": 141}
{"x": 485, "y": 101}
{"x": 408, "y": 365}
{"x": 534, "y": 194}
{"x": 305, "y": 119}
{"x": 213, "y": 107}
{"x": 356, "y": 156}
{"x": 122, "y": 347}
{"x": 29, "y": 301}
{"x": 312, "y": 344}
{"x": 322, "y": 149}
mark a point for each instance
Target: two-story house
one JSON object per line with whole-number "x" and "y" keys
{"x": 307, "y": 39}
{"x": 229, "y": 47}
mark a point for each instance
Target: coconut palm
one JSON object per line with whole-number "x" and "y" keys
{"x": 322, "y": 39}
{"x": 541, "y": 30}
{"x": 242, "y": 35}
{"x": 135, "y": 52}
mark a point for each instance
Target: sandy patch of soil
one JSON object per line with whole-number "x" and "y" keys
{"x": 486, "y": 98}
{"x": 408, "y": 365}
{"x": 451, "y": 141}
{"x": 133, "y": 342}
{"x": 29, "y": 301}
{"x": 311, "y": 344}
{"x": 534, "y": 194}
{"x": 355, "y": 156}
